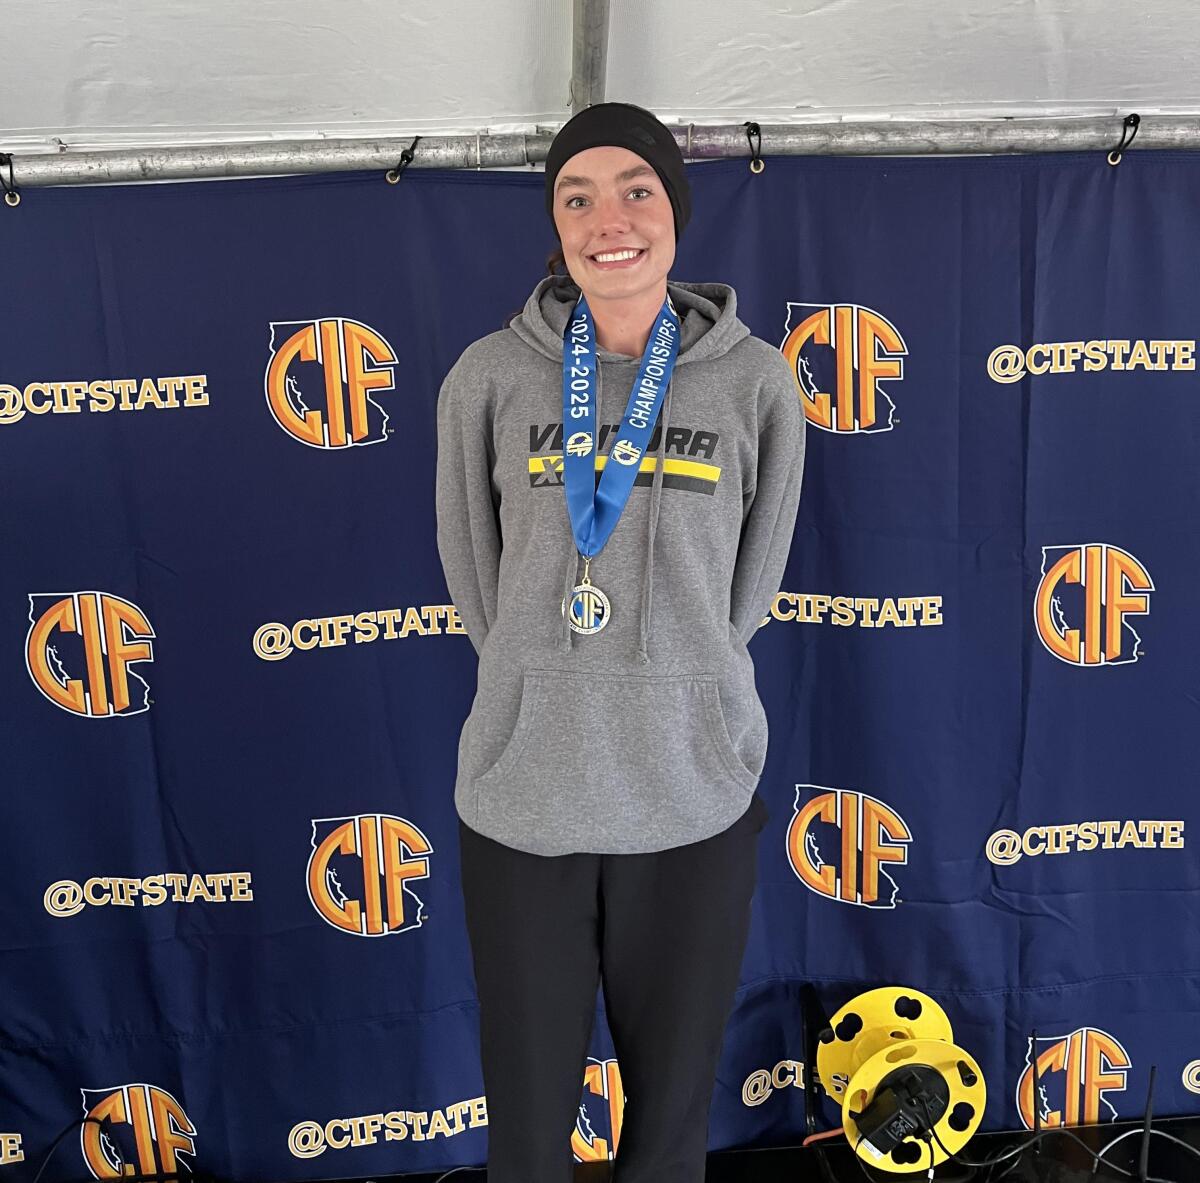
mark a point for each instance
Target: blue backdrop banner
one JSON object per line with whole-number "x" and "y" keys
{"x": 232, "y": 683}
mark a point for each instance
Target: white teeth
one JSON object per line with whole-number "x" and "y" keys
{"x": 616, "y": 256}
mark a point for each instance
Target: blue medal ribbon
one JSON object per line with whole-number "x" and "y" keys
{"x": 594, "y": 509}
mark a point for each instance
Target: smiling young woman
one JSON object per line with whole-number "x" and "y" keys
{"x": 617, "y": 229}
{"x": 608, "y": 819}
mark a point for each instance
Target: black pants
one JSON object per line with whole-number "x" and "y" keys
{"x": 665, "y": 932}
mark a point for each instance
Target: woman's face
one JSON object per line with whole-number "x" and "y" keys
{"x": 609, "y": 200}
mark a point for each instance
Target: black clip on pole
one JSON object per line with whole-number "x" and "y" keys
{"x": 754, "y": 138}
{"x": 1128, "y": 128}
{"x": 406, "y": 158}
{"x": 11, "y": 196}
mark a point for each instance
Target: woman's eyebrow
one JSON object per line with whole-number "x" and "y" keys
{"x": 583, "y": 182}
{"x": 638, "y": 170}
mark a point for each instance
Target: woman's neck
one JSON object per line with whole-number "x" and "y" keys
{"x": 624, "y": 325}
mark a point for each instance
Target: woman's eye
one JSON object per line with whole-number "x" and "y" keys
{"x": 572, "y": 200}
{"x": 639, "y": 189}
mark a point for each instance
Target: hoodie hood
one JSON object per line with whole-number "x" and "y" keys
{"x": 708, "y": 318}
{"x": 709, "y": 328}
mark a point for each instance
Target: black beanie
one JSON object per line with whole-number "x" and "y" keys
{"x": 625, "y": 126}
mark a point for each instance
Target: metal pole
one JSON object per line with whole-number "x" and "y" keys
{"x": 589, "y": 53}
{"x": 947, "y": 137}
{"x": 275, "y": 158}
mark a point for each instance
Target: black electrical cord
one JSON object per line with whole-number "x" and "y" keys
{"x": 82, "y": 1121}
{"x": 79, "y": 1121}
{"x": 960, "y": 1178}
{"x": 1010, "y": 1156}
{"x": 992, "y": 1177}
{"x": 1141, "y": 1133}
{"x": 862, "y": 1166}
{"x": 1016, "y": 1151}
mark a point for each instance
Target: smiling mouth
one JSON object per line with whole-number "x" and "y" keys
{"x": 626, "y": 255}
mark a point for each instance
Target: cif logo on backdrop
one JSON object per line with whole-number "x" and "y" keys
{"x": 839, "y": 841}
{"x": 143, "y": 1131}
{"x": 1075, "y": 1072}
{"x": 79, "y": 649}
{"x": 1084, "y": 596}
{"x": 600, "y": 1112}
{"x": 359, "y": 872}
{"x": 839, "y": 354}
{"x": 319, "y": 378}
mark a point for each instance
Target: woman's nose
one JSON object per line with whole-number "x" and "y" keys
{"x": 611, "y": 214}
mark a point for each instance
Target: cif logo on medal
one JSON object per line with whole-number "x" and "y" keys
{"x": 1079, "y": 1069}
{"x": 623, "y": 452}
{"x": 580, "y": 444}
{"x": 587, "y": 609}
{"x": 143, "y": 1130}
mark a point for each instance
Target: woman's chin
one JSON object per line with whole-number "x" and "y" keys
{"x": 615, "y": 286}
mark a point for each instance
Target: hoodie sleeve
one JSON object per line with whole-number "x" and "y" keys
{"x": 468, "y": 505}
{"x": 769, "y": 507}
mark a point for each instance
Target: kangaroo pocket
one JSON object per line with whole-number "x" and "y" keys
{"x": 614, "y": 755}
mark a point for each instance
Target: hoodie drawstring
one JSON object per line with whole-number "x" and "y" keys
{"x": 643, "y": 652}
{"x": 565, "y": 642}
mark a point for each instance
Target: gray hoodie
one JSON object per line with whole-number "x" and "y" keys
{"x": 649, "y": 734}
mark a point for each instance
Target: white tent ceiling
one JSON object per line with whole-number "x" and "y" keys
{"x": 114, "y": 73}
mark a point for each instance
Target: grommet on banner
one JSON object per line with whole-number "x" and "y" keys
{"x": 406, "y": 158}
{"x": 1128, "y": 128}
{"x": 11, "y": 196}
{"x": 754, "y": 136}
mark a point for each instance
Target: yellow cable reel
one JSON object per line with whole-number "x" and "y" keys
{"x": 866, "y": 1048}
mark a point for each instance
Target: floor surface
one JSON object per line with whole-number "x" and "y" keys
{"x": 1060, "y": 1161}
